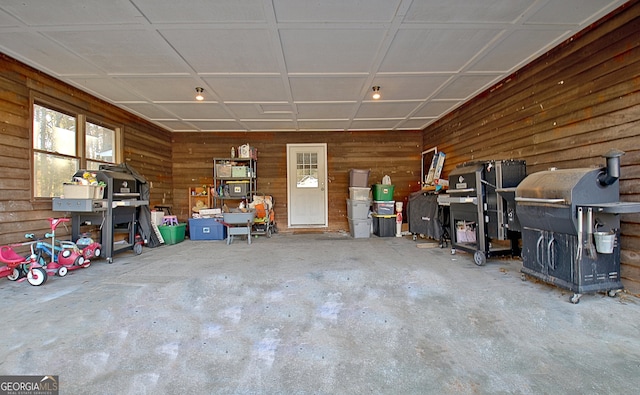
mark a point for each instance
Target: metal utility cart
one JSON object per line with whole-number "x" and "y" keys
{"x": 571, "y": 227}
{"x": 238, "y": 223}
{"x": 479, "y": 215}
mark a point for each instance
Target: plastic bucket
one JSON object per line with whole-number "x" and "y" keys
{"x": 604, "y": 242}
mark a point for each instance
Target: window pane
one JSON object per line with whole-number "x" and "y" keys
{"x": 100, "y": 143}
{"x": 50, "y": 172}
{"x": 93, "y": 165}
{"x": 307, "y": 170}
{"x": 53, "y": 131}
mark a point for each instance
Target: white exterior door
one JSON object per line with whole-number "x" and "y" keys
{"x": 306, "y": 185}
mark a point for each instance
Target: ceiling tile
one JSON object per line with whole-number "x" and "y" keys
{"x": 435, "y": 109}
{"x": 70, "y": 12}
{"x": 123, "y": 51}
{"x": 415, "y": 123}
{"x": 197, "y": 110}
{"x": 326, "y": 89}
{"x": 386, "y": 109}
{"x": 225, "y": 50}
{"x": 270, "y": 125}
{"x": 7, "y": 20}
{"x": 167, "y": 88}
{"x": 148, "y": 110}
{"x": 252, "y": 111}
{"x": 106, "y": 88}
{"x": 330, "y": 50}
{"x": 46, "y": 54}
{"x": 456, "y": 11}
{"x": 464, "y": 86}
{"x": 325, "y": 110}
{"x": 177, "y": 126}
{"x": 373, "y": 124}
{"x": 175, "y": 11}
{"x": 519, "y": 47}
{"x": 409, "y": 87}
{"x": 223, "y": 125}
{"x": 434, "y": 50}
{"x": 569, "y": 11}
{"x": 324, "y": 125}
{"x": 335, "y": 10}
{"x": 248, "y": 88}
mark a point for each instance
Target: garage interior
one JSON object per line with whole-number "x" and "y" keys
{"x": 554, "y": 85}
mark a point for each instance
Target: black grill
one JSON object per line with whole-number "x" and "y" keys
{"x": 564, "y": 214}
{"x": 482, "y": 210}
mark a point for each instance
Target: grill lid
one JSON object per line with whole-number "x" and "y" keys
{"x": 554, "y": 186}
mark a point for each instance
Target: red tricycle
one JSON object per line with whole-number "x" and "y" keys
{"x": 63, "y": 256}
{"x": 17, "y": 266}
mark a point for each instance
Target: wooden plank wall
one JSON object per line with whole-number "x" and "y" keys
{"x": 146, "y": 147}
{"x": 394, "y": 153}
{"x": 563, "y": 110}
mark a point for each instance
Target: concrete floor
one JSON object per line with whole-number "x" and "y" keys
{"x": 316, "y": 314}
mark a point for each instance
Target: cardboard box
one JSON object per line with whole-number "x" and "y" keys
{"x": 156, "y": 217}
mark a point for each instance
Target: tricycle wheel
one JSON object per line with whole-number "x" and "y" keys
{"x": 37, "y": 276}
{"x": 87, "y": 263}
{"x": 97, "y": 252}
{"x": 137, "y": 249}
{"x": 79, "y": 261}
{"x": 62, "y": 271}
{"x": 15, "y": 274}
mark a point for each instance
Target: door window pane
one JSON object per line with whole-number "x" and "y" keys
{"x": 307, "y": 170}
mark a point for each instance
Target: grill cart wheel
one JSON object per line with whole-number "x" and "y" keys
{"x": 479, "y": 258}
{"x": 575, "y": 299}
{"x": 613, "y": 292}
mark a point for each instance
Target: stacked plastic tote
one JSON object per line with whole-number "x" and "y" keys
{"x": 358, "y": 204}
{"x": 384, "y": 210}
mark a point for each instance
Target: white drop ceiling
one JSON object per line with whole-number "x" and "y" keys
{"x": 288, "y": 65}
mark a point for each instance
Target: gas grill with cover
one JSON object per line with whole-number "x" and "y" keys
{"x": 571, "y": 227}
{"x": 482, "y": 211}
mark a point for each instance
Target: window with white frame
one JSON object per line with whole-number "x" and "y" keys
{"x": 62, "y": 144}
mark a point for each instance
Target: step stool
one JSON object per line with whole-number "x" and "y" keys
{"x": 170, "y": 220}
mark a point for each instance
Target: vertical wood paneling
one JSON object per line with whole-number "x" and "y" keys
{"x": 565, "y": 109}
{"x": 146, "y": 147}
